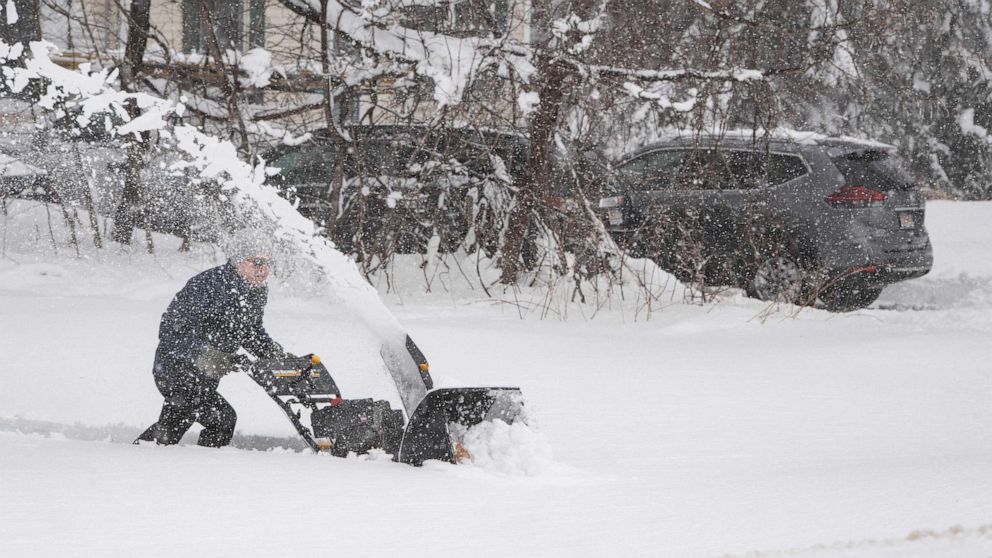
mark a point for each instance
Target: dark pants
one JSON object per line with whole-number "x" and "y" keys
{"x": 189, "y": 399}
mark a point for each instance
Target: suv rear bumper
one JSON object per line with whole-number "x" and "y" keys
{"x": 879, "y": 264}
{"x": 880, "y": 275}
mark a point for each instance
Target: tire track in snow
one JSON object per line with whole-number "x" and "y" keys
{"x": 957, "y": 541}
{"x": 121, "y": 433}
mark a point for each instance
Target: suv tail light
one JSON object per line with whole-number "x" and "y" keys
{"x": 855, "y": 196}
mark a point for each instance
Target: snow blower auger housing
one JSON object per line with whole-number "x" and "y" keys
{"x": 305, "y": 391}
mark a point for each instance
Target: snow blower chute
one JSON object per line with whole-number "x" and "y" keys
{"x": 304, "y": 389}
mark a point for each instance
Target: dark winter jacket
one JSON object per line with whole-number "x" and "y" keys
{"x": 216, "y": 307}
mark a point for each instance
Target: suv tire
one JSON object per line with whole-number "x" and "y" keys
{"x": 847, "y": 296}
{"x": 778, "y": 277}
{"x": 775, "y": 268}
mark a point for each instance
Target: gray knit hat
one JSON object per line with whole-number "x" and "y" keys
{"x": 246, "y": 243}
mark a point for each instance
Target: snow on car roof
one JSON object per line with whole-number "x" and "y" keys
{"x": 774, "y": 135}
{"x": 781, "y": 134}
{"x": 815, "y": 138}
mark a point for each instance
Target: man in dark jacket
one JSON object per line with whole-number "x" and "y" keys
{"x": 217, "y": 313}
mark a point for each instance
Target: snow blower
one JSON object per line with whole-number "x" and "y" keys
{"x": 305, "y": 391}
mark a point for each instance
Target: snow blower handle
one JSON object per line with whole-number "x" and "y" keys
{"x": 312, "y": 360}
{"x": 296, "y": 376}
{"x": 247, "y": 365}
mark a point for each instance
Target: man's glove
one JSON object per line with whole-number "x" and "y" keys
{"x": 241, "y": 361}
{"x": 216, "y": 364}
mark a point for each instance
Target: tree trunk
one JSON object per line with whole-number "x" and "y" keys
{"x": 333, "y": 126}
{"x": 536, "y": 180}
{"x": 128, "y": 208}
{"x": 87, "y": 187}
{"x": 125, "y": 217}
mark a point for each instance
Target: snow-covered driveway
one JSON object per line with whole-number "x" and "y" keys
{"x": 707, "y": 431}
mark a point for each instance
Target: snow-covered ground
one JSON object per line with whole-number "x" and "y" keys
{"x": 715, "y": 430}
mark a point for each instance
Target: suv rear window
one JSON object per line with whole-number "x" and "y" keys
{"x": 754, "y": 169}
{"x": 654, "y": 171}
{"x": 710, "y": 169}
{"x": 783, "y": 168}
{"x": 874, "y": 169}
{"x": 706, "y": 169}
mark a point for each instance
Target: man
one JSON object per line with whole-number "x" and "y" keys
{"x": 217, "y": 313}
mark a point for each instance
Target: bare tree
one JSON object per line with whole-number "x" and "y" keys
{"x": 126, "y": 216}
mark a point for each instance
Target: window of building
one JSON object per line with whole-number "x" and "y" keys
{"x": 480, "y": 16}
{"x": 232, "y": 23}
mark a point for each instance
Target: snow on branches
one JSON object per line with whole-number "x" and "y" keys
{"x": 572, "y": 27}
{"x": 258, "y": 204}
{"x": 450, "y": 62}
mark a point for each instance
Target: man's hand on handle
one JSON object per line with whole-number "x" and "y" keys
{"x": 217, "y": 364}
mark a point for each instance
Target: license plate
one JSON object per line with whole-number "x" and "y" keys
{"x": 615, "y": 216}
{"x": 906, "y": 221}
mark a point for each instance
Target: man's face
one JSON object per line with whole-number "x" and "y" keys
{"x": 255, "y": 269}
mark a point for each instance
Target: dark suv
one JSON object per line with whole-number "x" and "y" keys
{"x": 799, "y": 218}
{"x": 403, "y": 185}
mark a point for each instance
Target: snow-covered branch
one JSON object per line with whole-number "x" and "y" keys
{"x": 577, "y": 31}
{"x": 734, "y": 74}
{"x": 449, "y": 61}
{"x": 214, "y": 159}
